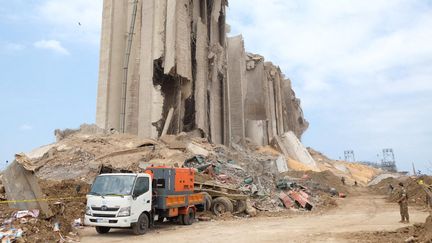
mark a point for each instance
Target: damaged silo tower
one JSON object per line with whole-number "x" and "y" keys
{"x": 168, "y": 64}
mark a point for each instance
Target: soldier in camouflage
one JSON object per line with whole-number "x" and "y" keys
{"x": 403, "y": 204}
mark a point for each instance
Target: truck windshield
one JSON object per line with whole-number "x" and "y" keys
{"x": 113, "y": 185}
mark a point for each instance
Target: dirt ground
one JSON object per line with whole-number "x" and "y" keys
{"x": 362, "y": 212}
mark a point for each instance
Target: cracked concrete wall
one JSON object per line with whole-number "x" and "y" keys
{"x": 181, "y": 60}
{"x": 235, "y": 82}
{"x": 177, "y": 61}
{"x": 271, "y": 108}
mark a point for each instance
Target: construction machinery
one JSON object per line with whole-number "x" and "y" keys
{"x": 136, "y": 201}
{"x": 221, "y": 199}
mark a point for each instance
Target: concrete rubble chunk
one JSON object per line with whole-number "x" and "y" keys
{"x": 172, "y": 142}
{"x": 197, "y": 150}
{"x": 21, "y": 187}
{"x": 281, "y": 164}
{"x": 291, "y": 147}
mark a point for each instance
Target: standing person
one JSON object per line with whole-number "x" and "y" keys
{"x": 403, "y": 204}
{"x": 343, "y": 180}
{"x": 391, "y": 188}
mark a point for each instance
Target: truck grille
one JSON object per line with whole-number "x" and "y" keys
{"x": 105, "y": 209}
{"x": 104, "y": 215}
{"x": 110, "y": 221}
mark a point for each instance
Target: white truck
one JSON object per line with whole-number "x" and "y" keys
{"x": 136, "y": 200}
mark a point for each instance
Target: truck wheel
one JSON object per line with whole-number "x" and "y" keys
{"x": 188, "y": 218}
{"x": 208, "y": 201}
{"x": 181, "y": 219}
{"x": 140, "y": 227}
{"x": 222, "y": 205}
{"x": 240, "y": 206}
{"x": 102, "y": 230}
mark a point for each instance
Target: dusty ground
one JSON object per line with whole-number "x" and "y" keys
{"x": 362, "y": 212}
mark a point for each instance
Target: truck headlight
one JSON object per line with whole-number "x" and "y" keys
{"x": 88, "y": 211}
{"x": 124, "y": 212}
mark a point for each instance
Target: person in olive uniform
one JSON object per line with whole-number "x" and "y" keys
{"x": 403, "y": 204}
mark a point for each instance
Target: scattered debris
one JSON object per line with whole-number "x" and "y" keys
{"x": 254, "y": 181}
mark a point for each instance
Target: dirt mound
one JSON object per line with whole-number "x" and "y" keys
{"x": 398, "y": 236}
{"x": 415, "y": 233}
{"x": 352, "y": 172}
{"x": 297, "y": 166}
{"x": 416, "y": 194}
{"x": 322, "y": 181}
{"x": 383, "y": 186}
{"x": 66, "y": 202}
{"x": 426, "y": 236}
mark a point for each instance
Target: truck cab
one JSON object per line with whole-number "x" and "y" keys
{"x": 134, "y": 200}
{"x": 118, "y": 200}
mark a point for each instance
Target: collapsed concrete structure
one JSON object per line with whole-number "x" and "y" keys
{"x": 167, "y": 66}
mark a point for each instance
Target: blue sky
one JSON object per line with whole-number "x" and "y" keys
{"x": 362, "y": 69}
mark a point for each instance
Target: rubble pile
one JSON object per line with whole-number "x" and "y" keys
{"x": 32, "y": 226}
{"x": 321, "y": 181}
{"x": 416, "y": 194}
{"x": 262, "y": 174}
{"x": 352, "y": 172}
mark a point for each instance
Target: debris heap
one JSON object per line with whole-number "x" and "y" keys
{"x": 263, "y": 175}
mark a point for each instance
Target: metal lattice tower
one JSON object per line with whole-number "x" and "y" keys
{"x": 349, "y": 155}
{"x": 388, "y": 161}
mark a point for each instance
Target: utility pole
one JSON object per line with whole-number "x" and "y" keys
{"x": 349, "y": 155}
{"x": 389, "y": 162}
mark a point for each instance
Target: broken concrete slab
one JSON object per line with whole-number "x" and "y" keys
{"x": 291, "y": 147}
{"x": 281, "y": 164}
{"x": 197, "y": 150}
{"x": 172, "y": 142}
{"x": 23, "y": 190}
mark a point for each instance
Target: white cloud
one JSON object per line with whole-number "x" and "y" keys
{"x": 52, "y": 45}
{"x": 25, "y": 127}
{"x": 361, "y": 67}
{"x": 335, "y": 38}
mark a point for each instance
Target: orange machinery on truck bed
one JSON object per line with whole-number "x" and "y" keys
{"x": 173, "y": 194}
